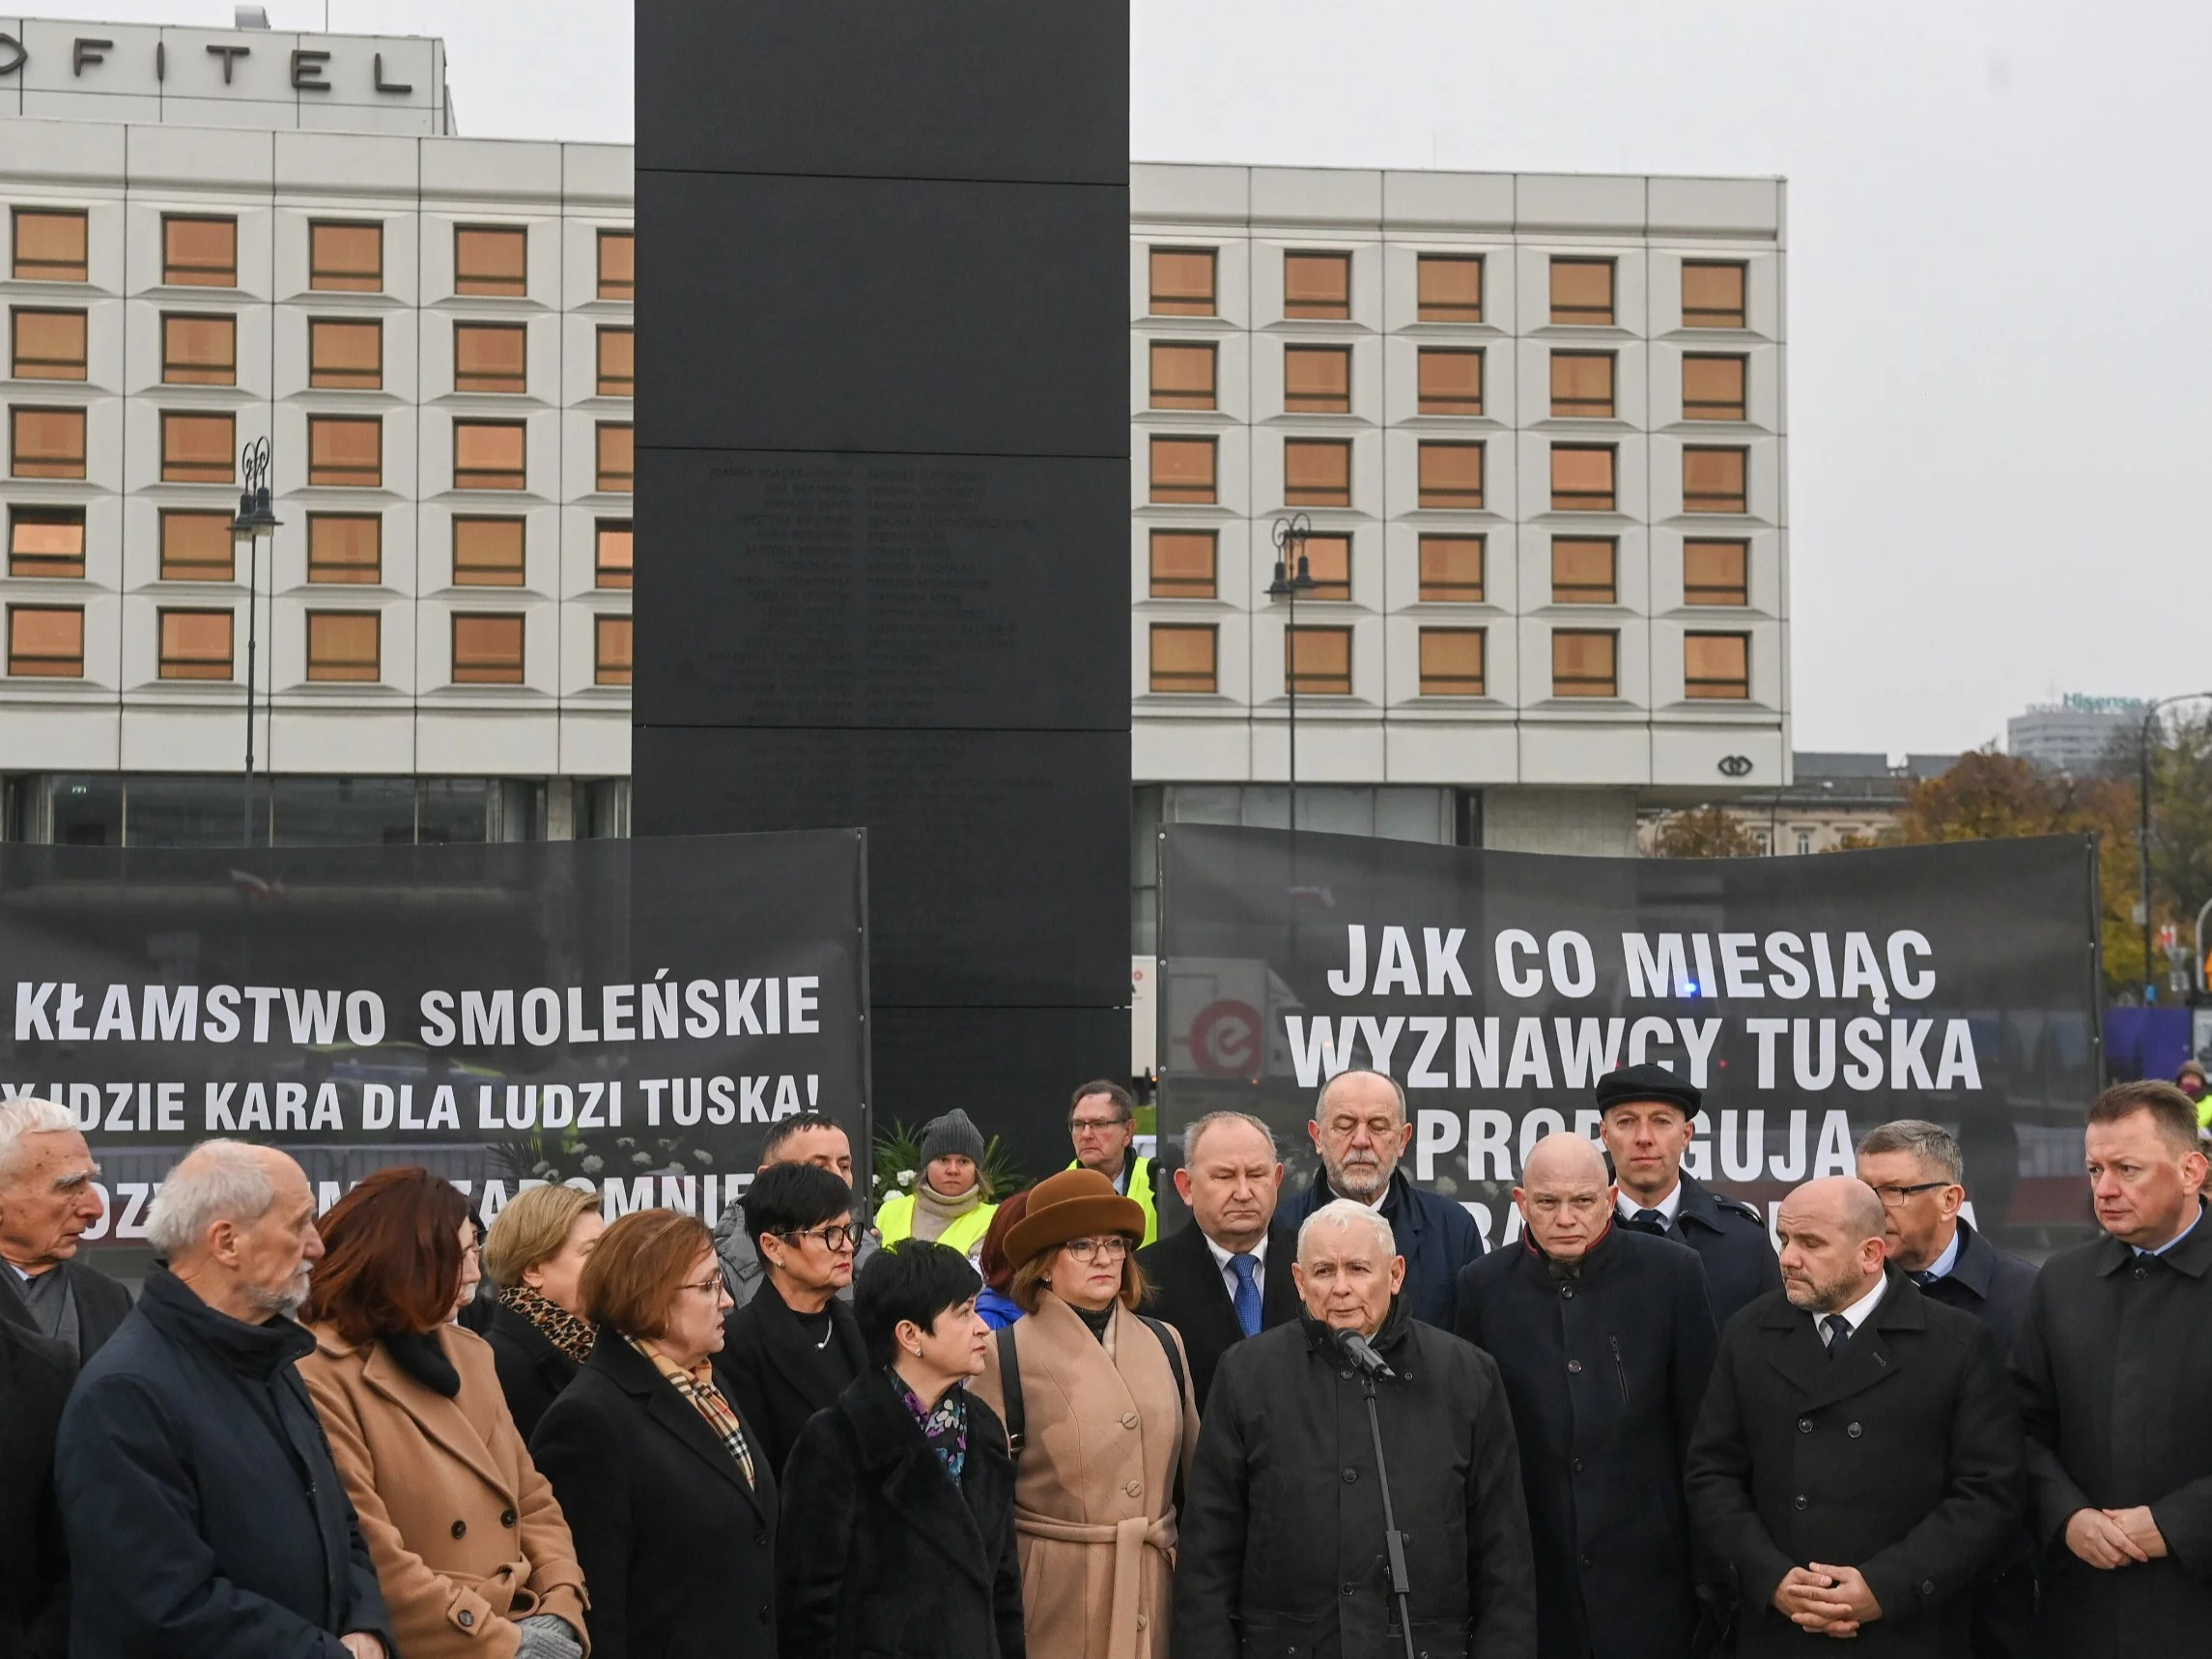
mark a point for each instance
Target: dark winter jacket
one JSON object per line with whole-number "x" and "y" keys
{"x": 1189, "y": 1293}
{"x": 1435, "y": 1236}
{"x": 772, "y": 1370}
{"x": 1730, "y": 1238}
{"x": 1987, "y": 1283}
{"x": 101, "y": 1303}
{"x": 35, "y": 1377}
{"x": 532, "y": 1371}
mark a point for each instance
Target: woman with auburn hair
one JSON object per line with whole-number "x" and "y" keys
{"x": 997, "y": 1304}
{"x": 468, "y": 1541}
{"x": 535, "y": 1254}
{"x": 670, "y": 1491}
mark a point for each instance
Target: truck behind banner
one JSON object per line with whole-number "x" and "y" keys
{"x": 628, "y": 1017}
{"x": 1810, "y": 998}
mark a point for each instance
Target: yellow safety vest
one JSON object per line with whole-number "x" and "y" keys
{"x": 894, "y": 1220}
{"x": 1141, "y": 1190}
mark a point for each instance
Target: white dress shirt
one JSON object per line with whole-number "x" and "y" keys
{"x": 1258, "y": 1255}
{"x": 1858, "y": 1313}
{"x": 1666, "y": 1207}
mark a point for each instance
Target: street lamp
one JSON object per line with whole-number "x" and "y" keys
{"x": 254, "y": 522}
{"x": 1291, "y": 578}
{"x": 2143, "y": 827}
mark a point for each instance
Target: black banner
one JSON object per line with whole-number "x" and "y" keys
{"x": 1810, "y": 998}
{"x": 623, "y": 1015}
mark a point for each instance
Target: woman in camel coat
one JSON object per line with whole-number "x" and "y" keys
{"x": 1106, "y": 1427}
{"x": 468, "y": 1541}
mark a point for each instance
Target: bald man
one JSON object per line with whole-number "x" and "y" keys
{"x": 1856, "y": 1466}
{"x": 1604, "y": 1337}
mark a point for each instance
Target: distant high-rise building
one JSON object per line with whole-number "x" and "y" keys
{"x": 2074, "y": 734}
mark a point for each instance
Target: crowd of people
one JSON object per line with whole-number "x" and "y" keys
{"x": 1322, "y": 1424}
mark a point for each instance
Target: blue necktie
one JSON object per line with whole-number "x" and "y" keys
{"x": 1246, "y": 1301}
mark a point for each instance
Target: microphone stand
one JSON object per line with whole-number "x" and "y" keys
{"x": 1401, "y": 1582}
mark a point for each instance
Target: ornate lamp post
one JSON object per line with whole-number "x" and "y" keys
{"x": 1291, "y": 578}
{"x": 254, "y": 523}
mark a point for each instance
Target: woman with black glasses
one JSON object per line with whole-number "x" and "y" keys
{"x": 794, "y": 1347}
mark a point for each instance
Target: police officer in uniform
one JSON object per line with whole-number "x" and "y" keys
{"x": 1645, "y": 1119}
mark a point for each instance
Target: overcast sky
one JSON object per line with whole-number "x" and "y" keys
{"x": 1997, "y": 241}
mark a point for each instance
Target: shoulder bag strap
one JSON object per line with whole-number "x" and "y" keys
{"x": 1010, "y": 1391}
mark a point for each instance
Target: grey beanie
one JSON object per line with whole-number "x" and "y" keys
{"x": 950, "y": 1135}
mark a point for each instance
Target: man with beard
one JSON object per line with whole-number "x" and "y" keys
{"x": 1855, "y": 1468}
{"x": 204, "y": 1517}
{"x": 1360, "y": 1131}
{"x": 1605, "y": 1338}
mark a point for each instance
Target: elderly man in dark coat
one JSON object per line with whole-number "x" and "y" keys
{"x": 1605, "y": 1340}
{"x": 49, "y": 1197}
{"x": 1856, "y": 1466}
{"x": 2111, "y": 1366}
{"x": 1283, "y": 1547}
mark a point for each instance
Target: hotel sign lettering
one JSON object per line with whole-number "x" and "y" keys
{"x": 308, "y": 68}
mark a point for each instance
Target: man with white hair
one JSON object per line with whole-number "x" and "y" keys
{"x": 1284, "y": 1544}
{"x": 204, "y": 1517}
{"x": 47, "y": 1199}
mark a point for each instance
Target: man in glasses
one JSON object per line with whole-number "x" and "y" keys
{"x": 793, "y": 1349}
{"x": 1102, "y": 1123}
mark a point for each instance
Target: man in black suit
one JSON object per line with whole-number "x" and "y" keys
{"x": 1855, "y": 1468}
{"x": 1213, "y": 1280}
{"x": 47, "y": 1199}
{"x": 1645, "y": 1120}
{"x": 35, "y": 1377}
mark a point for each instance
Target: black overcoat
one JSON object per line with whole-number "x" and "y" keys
{"x": 775, "y": 1372}
{"x": 1188, "y": 1291}
{"x": 1434, "y": 1234}
{"x": 1731, "y": 1238}
{"x": 101, "y": 1304}
{"x": 532, "y": 1371}
{"x": 2114, "y": 1371}
{"x": 882, "y": 1554}
{"x": 1901, "y": 1458}
{"x": 1283, "y": 1547}
{"x": 1604, "y": 1372}
{"x": 35, "y": 1377}
{"x": 678, "y": 1551}
{"x": 1987, "y": 1283}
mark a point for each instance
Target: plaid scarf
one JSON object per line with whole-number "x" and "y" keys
{"x": 944, "y": 1428}
{"x": 570, "y": 1333}
{"x": 698, "y": 1387}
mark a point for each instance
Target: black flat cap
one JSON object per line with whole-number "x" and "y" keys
{"x": 1647, "y": 1083}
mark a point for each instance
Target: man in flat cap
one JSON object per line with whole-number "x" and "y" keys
{"x": 1645, "y": 1114}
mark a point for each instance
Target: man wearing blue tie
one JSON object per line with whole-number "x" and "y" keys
{"x": 1228, "y": 1276}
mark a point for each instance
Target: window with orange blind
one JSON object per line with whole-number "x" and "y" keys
{"x": 1584, "y": 570}
{"x": 1582, "y": 385}
{"x": 1712, "y": 294}
{"x": 1716, "y": 572}
{"x": 1184, "y": 564}
{"x": 1712, "y": 388}
{"x": 1582, "y": 478}
{"x": 45, "y": 542}
{"x": 611, "y": 646}
{"x": 199, "y": 252}
{"x": 1717, "y": 666}
{"x": 45, "y": 641}
{"x": 617, "y": 452}
{"x": 1182, "y": 375}
{"x": 348, "y": 355}
{"x": 490, "y": 356}
{"x": 345, "y": 645}
{"x": 45, "y": 443}
{"x": 491, "y": 260}
{"x": 612, "y": 553}
{"x": 1450, "y": 381}
{"x": 1582, "y": 292}
{"x": 49, "y": 345}
{"x": 49, "y": 245}
{"x": 1182, "y": 282}
{"x": 345, "y": 548}
{"x": 197, "y": 547}
{"x": 488, "y": 552}
{"x": 195, "y": 645}
{"x": 1317, "y": 660}
{"x": 346, "y": 258}
{"x": 617, "y": 362}
{"x": 1450, "y": 474}
{"x": 1183, "y": 469}
{"x": 1183, "y": 657}
{"x": 199, "y": 350}
{"x": 346, "y": 451}
{"x": 1316, "y": 380}
{"x": 1713, "y": 480}
{"x": 486, "y": 650}
{"x": 1328, "y": 561}
{"x": 1448, "y": 288}
{"x": 488, "y": 455}
{"x": 1317, "y": 471}
{"x": 1316, "y": 285}
{"x": 1451, "y": 569}
{"x": 1451, "y": 662}
{"x": 1585, "y": 662}
{"x": 197, "y": 447}
{"x": 617, "y": 265}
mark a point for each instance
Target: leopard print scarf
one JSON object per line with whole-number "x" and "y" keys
{"x": 570, "y": 1333}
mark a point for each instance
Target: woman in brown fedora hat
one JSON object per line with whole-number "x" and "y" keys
{"x": 1105, "y": 1421}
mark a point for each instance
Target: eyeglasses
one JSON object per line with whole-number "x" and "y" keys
{"x": 834, "y": 1238}
{"x": 1893, "y": 1197}
{"x": 705, "y": 1287}
{"x": 1110, "y": 1248}
{"x": 1094, "y": 1125}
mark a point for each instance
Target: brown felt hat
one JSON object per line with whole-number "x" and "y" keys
{"x": 1075, "y": 1204}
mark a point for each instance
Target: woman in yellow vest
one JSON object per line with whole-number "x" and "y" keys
{"x": 950, "y": 1204}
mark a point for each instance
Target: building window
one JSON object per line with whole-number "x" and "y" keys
{"x": 196, "y": 645}
{"x": 346, "y": 258}
{"x": 49, "y": 345}
{"x": 45, "y": 542}
{"x": 1582, "y": 385}
{"x": 346, "y": 356}
{"x": 1184, "y": 469}
{"x": 1715, "y": 573}
{"x": 1452, "y": 569}
{"x": 199, "y": 351}
{"x": 489, "y": 455}
{"x": 1328, "y": 561}
{"x": 346, "y": 451}
{"x": 487, "y": 650}
{"x": 1717, "y": 666}
{"x": 617, "y": 362}
{"x": 1712, "y": 294}
{"x": 1319, "y": 660}
{"x": 1451, "y": 662}
{"x": 1450, "y": 474}
{"x": 49, "y": 245}
{"x": 612, "y": 556}
{"x": 1450, "y": 381}
{"x": 490, "y": 259}
{"x": 490, "y": 356}
{"x": 199, "y": 252}
{"x": 1583, "y": 570}
{"x": 1448, "y": 287}
{"x": 1317, "y": 471}
{"x": 1183, "y": 658}
{"x": 1316, "y": 285}
{"x": 1185, "y": 563}
{"x": 1582, "y": 478}
{"x": 196, "y": 447}
{"x": 488, "y": 552}
{"x": 1582, "y": 292}
{"x": 1182, "y": 375}
{"x": 197, "y": 547}
{"x": 617, "y": 265}
{"x": 345, "y": 548}
{"x": 46, "y": 442}
{"x": 617, "y": 459}
{"x": 610, "y": 652}
{"x": 1316, "y": 380}
{"x": 45, "y": 641}
{"x": 1585, "y": 662}
{"x": 1804, "y": 842}
{"x": 1182, "y": 282}
{"x": 344, "y": 646}
{"x": 1713, "y": 389}
{"x": 1713, "y": 480}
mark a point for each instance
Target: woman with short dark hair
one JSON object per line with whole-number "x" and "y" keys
{"x": 898, "y": 1531}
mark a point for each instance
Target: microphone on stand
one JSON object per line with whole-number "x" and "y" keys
{"x": 1369, "y": 1366}
{"x": 1361, "y": 1353}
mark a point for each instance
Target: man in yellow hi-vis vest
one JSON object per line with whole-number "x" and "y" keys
{"x": 949, "y": 1203}
{"x": 1102, "y": 1121}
